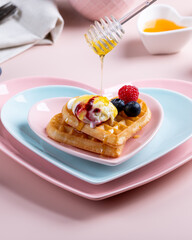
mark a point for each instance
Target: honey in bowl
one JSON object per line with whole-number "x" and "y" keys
{"x": 161, "y": 25}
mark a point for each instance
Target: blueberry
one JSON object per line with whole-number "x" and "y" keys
{"x": 0, "y": 71}
{"x": 118, "y": 103}
{"x": 132, "y": 109}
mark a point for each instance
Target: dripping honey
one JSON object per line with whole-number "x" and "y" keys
{"x": 101, "y": 87}
{"x": 105, "y": 47}
{"x": 161, "y": 25}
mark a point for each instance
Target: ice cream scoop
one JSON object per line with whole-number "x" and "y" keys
{"x": 92, "y": 109}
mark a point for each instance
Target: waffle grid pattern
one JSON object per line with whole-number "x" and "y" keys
{"x": 59, "y": 131}
{"x": 111, "y": 133}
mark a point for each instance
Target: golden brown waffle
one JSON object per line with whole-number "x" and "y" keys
{"x": 58, "y": 130}
{"x": 111, "y": 133}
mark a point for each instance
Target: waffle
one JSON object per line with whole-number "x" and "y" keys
{"x": 59, "y": 131}
{"x": 111, "y": 133}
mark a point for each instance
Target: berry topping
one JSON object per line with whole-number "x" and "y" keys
{"x": 118, "y": 103}
{"x": 128, "y": 93}
{"x": 132, "y": 109}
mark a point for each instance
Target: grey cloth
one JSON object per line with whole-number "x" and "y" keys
{"x": 37, "y": 22}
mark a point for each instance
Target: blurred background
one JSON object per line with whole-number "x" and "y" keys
{"x": 71, "y": 58}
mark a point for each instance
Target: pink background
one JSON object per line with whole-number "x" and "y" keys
{"x": 31, "y": 208}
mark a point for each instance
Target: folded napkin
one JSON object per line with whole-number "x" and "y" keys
{"x": 37, "y": 22}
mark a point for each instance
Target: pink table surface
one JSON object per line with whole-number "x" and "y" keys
{"x": 31, "y": 208}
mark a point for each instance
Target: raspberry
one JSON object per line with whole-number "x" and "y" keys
{"x": 128, "y": 93}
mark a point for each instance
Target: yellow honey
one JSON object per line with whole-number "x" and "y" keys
{"x": 161, "y": 25}
{"x": 102, "y": 46}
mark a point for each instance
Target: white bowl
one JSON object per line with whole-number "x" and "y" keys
{"x": 169, "y": 41}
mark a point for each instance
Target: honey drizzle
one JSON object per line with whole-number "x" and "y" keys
{"x": 105, "y": 139}
{"x": 103, "y": 149}
{"x": 101, "y": 86}
{"x": 136, "y": 136}
{"x": 105, "y": 47}
{"x": 80, "y": 126}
